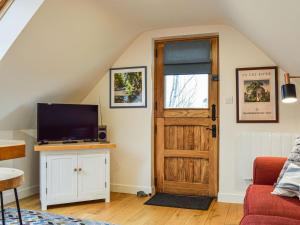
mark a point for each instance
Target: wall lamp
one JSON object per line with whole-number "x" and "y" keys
{"x": 288, "y": 90}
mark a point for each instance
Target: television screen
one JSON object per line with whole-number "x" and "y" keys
{"x": 62, "y": 122}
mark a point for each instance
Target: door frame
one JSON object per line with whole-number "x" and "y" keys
{"x": 156, "y": 113}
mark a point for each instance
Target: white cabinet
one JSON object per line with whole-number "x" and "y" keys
{"x": 74, "y": 175}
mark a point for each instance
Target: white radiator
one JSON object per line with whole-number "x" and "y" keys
{"x": 253, "y": 144}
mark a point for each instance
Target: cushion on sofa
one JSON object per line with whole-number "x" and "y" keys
{"x": 260, "y": 201}
{"x": 289, "y": 184}
{"x": 294, "y": 157}
{"x": 267, "y": 220}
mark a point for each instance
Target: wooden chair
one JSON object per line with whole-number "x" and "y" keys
{"x": 10, "y": 179}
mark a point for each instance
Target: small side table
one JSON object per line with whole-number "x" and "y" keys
{"x": 10, "y": 179}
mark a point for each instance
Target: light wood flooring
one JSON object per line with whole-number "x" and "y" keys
{"x": 126, "y": 209}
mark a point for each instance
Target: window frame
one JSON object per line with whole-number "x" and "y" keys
{"x": 2, "y": 4}
{"x": 159, "y": 109}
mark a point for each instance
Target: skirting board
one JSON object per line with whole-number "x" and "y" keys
{"x": 122, "y": 188}
{"x": 9, "y": 195}
{"x": 130, "y": 189}
{"x": 231, "y": 198}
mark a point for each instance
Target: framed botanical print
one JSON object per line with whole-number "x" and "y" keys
{"x": 128, "y": 87}
{"x": 257, "y": 95}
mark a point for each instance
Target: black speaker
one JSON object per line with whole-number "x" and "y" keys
{"x": 102, "y": 133}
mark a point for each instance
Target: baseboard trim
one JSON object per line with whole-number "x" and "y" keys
{"x": 231, "y": 198}
{"x": 130, "y": 189}
{"x": 9, "y": 195}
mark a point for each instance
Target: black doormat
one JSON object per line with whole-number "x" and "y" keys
{"x": 180, "y": 201}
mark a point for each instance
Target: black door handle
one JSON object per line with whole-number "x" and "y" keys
{"x": 213, "y": 130}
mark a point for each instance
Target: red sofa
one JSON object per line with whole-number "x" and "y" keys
{"x": 263, "y": 208}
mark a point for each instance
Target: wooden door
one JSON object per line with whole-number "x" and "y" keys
{"x": 61, "y": 178}
{"x": 91, "y": 175}
{"x": 186, "y": 139}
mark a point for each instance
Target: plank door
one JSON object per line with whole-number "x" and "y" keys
{"x": 186, "y": 134}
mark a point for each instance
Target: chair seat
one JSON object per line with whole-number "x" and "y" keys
{"x": 10, "y": 178}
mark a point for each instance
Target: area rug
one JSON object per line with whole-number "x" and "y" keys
{"x": 180, "y": 201}
{"x": 31, "y": 217}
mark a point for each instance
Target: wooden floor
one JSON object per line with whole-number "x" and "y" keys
{"x": 126, "y": 209}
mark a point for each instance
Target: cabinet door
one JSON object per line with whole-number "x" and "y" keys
{"x": 61, "y": 178}
{"x": 91, "y": 176}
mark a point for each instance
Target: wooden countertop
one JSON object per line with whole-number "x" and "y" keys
{"x": 12, "y": 149}
{"x": 74, "y": 146}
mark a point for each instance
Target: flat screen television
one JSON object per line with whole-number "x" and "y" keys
{"x": 66, "y": 122}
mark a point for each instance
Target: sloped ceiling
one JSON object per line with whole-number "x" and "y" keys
{"x": 68, "y": 45}
{"x": 273, "y": 25}
{"x": 58, "y": 57}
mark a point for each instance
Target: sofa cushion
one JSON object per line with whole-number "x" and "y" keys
{"x": 289, "y": 184}
{"x": 268, "y": 220}
{"x": 260, "y": 201}
{"x": 294, "y": 157}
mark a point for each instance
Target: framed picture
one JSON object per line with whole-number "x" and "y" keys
{"x": 128, "y": 87}
{"x": 257, "y": 95}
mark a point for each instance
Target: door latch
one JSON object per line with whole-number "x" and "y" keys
{"x": 213, "y": 112}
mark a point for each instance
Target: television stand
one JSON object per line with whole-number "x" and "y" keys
{"x": 69, "y": 142}
{"x": 74, "y": 172}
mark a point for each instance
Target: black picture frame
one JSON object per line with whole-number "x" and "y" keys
{"x": 143, "y": 103}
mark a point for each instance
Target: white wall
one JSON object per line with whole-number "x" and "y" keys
{"x": 131, "y": 129}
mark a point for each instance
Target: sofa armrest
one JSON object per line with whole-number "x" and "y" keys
{"x": 267, "y": 169}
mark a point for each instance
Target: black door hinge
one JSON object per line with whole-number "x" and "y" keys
{"x": 215, "y": 77}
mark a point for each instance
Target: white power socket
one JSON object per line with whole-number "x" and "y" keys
{"x": 229, "y": 100}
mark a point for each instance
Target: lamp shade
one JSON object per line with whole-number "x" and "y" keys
{"x": 288, "y": 92}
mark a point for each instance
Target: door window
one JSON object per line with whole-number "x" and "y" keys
{"x": 186, "y": 91}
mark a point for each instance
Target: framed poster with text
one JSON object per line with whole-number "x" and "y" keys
{"x": 257, "y": 95}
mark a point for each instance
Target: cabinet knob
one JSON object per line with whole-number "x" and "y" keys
{"x": 80, "y": 169}
{"x": 75, "y": 170}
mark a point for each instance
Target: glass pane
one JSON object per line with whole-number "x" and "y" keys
{"x": 186, "y": 91}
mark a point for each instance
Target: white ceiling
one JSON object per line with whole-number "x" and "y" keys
{"x": 67, "y": 47}
{"x": 152, "y": 14}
